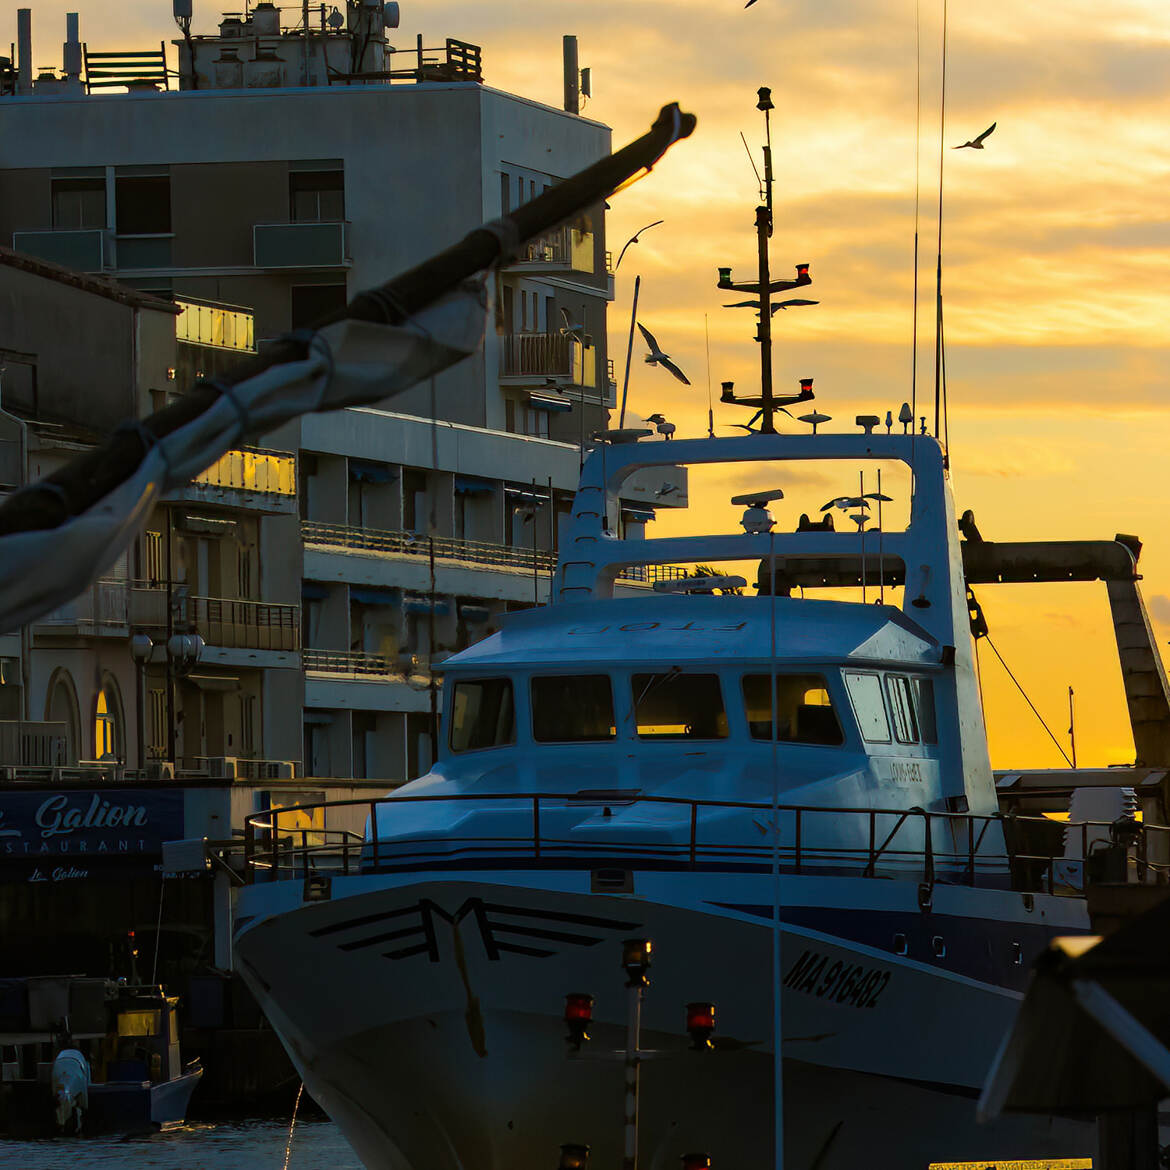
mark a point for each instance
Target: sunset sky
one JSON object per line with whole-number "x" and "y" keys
{"x": 1056, "y": 255}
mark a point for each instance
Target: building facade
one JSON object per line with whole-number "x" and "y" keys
{"x": 286, "y": 169}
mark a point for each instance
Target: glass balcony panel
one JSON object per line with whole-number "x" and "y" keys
{"x": 300, "y": 245}
{"x": 82, "y": 250}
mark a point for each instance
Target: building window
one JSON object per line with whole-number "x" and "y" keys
{"x": 156, "y": 727}
{"x": 152, "y": 556}
{"x": 312, "y": 302}
{"x": 316, "y": 196}
{"x": 143, "y": 204}
{"x": 248, "y": 725}
{"x": 105, "y": 731}
{"x": 62, "y": 708}
{"x": 79, "y": 203}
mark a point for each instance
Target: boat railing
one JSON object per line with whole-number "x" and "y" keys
{"x": 1025, "y": 853}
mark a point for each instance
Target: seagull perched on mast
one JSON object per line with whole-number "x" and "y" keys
{"x": 664, "y": 428}
{"x": 976, "y": 143}
{"x": 657, "y": 358}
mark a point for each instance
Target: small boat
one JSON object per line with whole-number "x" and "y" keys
{"x": 109, "y": 1063}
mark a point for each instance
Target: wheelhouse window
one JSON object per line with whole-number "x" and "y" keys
{"x": 679, "y": 706}
{"x": 805, "y": 711}
{"x": 572, "y": 709}
{"x": 482, "y": 714}
{"x": 923, "y": 689}
{"x": 865, "y": 693}
{"x": 902, "y": 708}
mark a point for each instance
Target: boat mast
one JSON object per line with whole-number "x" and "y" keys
{"x": 763, "y": 235}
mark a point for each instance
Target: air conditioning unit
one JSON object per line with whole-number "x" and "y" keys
{"x": 223, "y": 767}
{"x": 274, "y": 770}
{"x": 160, "y": 770}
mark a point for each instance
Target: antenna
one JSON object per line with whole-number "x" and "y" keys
{"x": 755, "y": 169}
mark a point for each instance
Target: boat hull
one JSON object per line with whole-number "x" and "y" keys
{"x": 425, "y": 1016}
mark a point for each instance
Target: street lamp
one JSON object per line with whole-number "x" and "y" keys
{"x": 141, "y": 648}
{"x": 183, "y": 652}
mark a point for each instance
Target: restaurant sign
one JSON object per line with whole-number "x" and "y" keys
{"x": 67, "y": 831}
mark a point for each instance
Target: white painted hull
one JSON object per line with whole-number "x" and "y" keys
{"x": 451, "y": 1056}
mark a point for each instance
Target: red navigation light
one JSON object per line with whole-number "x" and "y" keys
{"x": 578, "y": 1017}
{"x": 806, "y": 385}
{"x": 700, "y": 1024}
{"x": 696, "y": 1162}
{"x": 801, "y": 270}
{"x": 574, "y": 1157}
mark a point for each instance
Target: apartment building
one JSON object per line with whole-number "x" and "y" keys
{"x": 211, "y": 566}
{"x": 285, "y": 168}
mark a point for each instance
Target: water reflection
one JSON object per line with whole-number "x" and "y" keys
{"x": 248, "y": 1145}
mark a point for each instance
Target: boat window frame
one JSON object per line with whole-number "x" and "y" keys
{"x": 802, "y": 672}
{"x": 464, "y": 681}
{"x": 677, "y": 672}
{"x": 920, "y": 685}
{"x": 846, "y": 675}
{"x": 600, "y": 673}
{"x": 892, "y": 681}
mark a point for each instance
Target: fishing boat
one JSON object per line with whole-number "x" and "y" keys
{"x": 784, "y": 801}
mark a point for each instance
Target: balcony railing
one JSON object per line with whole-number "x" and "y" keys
{"x": 548, "y": 355}
{"x": 102, "y": 609}
{"x": 301, "y": 245}
{"x": 354, "y": 664}
{"x": 244, "y": 625}
{"x": 33, "y": 745}
{"x": 514, "y": 558}
{"x": 216, "y": 325}
{"x": 83, "y": 249}
{"x": 251, "y": 469}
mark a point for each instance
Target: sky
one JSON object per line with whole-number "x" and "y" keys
{"x": 1056, "y": 247}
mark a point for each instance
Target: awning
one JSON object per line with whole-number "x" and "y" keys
{"x": 475, "y": 613}
{"x": 213, "y": 682}
{"x": 540, "y": 402}
{"x": 468, "y": 485}
{"x": 312, "y": 591}
{"x": 640, "y": 515}
{"x": 424, "y": 605}
{"x": 364, "y": 595}
{"x": 372, "y": 472}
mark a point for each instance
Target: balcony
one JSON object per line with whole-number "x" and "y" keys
{"x": 241, "y": 625}
{"x": 564, "y": 249}
{"x": 216, "y": 325}
{"x": 33, "y": 745}
{"x": 102, "y": 610}
{"x": 528, "y": 358}
{"x": 480, "y": 554}
{"x": 301, "y": 245}
{"x": 355, "y": 664}
{"x": 246, "y": 477}
{"x": 81, "y": 249}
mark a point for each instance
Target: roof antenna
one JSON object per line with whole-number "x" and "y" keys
{"x": 759, "y": 181}
{"x": 710, "y": 406}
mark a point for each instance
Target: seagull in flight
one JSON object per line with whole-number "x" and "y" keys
{"x": 663, "y": 427}
{"x": 571, "y": 328}
{"x": 976, "y": 143}
{"x": 792, "y": 302}
{"x": 657, "y": 358}
{"x": 633, "y": 240}
{"x": 845, "y": 503}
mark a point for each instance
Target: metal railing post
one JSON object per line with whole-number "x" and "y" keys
{"x": 799, "y": 821}
{"x": 374, "y": 829}
{"x": 536, "y": 827}
{"x": 694, "y": 831}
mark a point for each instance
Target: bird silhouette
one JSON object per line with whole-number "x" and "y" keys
{"x": 745, "y": 426}
{"x": 879, "y": 496}
{"x": 662, "y": 426}
{"x": 657, "y": 358}
{"x": 845, "y": 503}
{"x": 571, "y": 328}
{"x": 665, "y": 490}
{"x": 776, "y": 305}
{"x": 976, "y": 143}
{"x": 633, "y": 240}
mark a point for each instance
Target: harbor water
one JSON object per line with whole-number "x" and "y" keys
{"x": 236, "y": 1145}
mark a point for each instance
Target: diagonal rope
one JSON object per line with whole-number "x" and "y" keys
{"x": 1029, "y": 701}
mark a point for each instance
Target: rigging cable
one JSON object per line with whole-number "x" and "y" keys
{"x": 938, "y": 297}
{"x": 917, "y": 201}
{"x": 1028, "y": 701}
{"x": 710, "y": 407}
